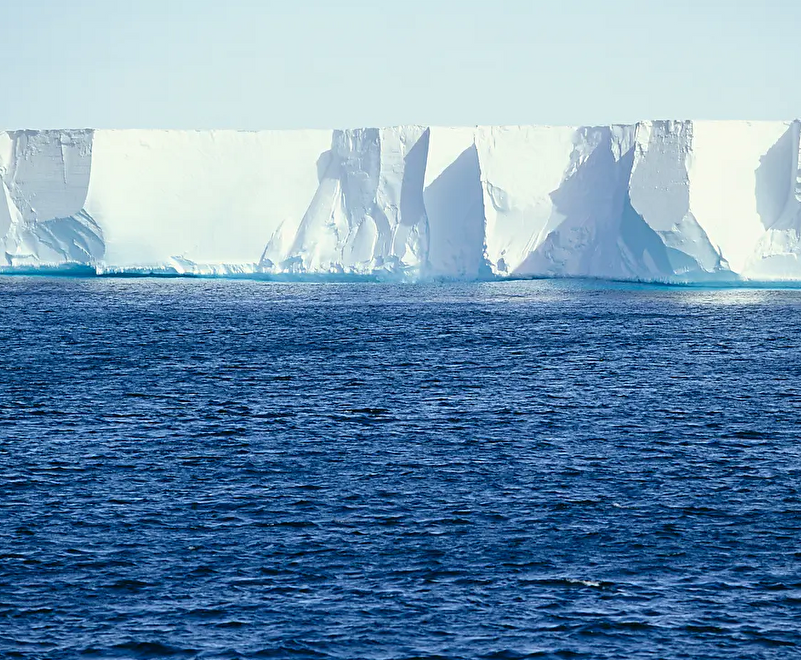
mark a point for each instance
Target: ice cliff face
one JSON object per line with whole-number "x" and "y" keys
{"x": 656, "y": 201}
{"x": 367, "y": 211}
{"x": 45, "y": 181}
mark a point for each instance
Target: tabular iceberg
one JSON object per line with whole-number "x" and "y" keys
{"x": 668, "y": 201}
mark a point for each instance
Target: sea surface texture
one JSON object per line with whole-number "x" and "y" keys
{"x": 244, "y": 469}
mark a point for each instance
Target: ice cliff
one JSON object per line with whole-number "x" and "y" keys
{"x": 674, "y": 201}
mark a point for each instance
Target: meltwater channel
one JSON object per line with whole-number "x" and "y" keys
{"x": 546, "y": 469}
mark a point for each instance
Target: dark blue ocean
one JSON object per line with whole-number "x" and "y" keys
{"x": 544, "y": 469}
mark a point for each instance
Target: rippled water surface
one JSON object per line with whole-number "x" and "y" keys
{"x": 239, "y": 469}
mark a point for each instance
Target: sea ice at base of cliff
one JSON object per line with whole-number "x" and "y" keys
{"x": 672, "y": 201}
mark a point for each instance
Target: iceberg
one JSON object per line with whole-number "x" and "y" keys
{"x": 661, "y": 201}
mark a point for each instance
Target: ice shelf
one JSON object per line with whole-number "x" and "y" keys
{"x": 666, "y": 201}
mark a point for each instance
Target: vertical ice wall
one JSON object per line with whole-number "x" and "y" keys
{"x": 594, "y": 230}
{"x": 778, "y": 197}
{"x": 666, "y": 200}
{"x": 45, "y": 180}
{"x": 520, "y": 168}
{"x": 454, "y": 203}
{"x": 559, "y": 203}
{"x": 659, "y": 190}
{"x": 199, "y": 201}
{"x": 726, "y": 157}
{"x": 368, "y": 211}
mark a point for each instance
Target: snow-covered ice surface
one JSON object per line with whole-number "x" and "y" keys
{"x": 667, "y": 201}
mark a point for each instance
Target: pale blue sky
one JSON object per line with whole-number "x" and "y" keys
{"x": 309, "y": 63}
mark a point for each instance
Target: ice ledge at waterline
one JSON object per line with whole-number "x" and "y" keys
{"x": 679, "y": 201}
